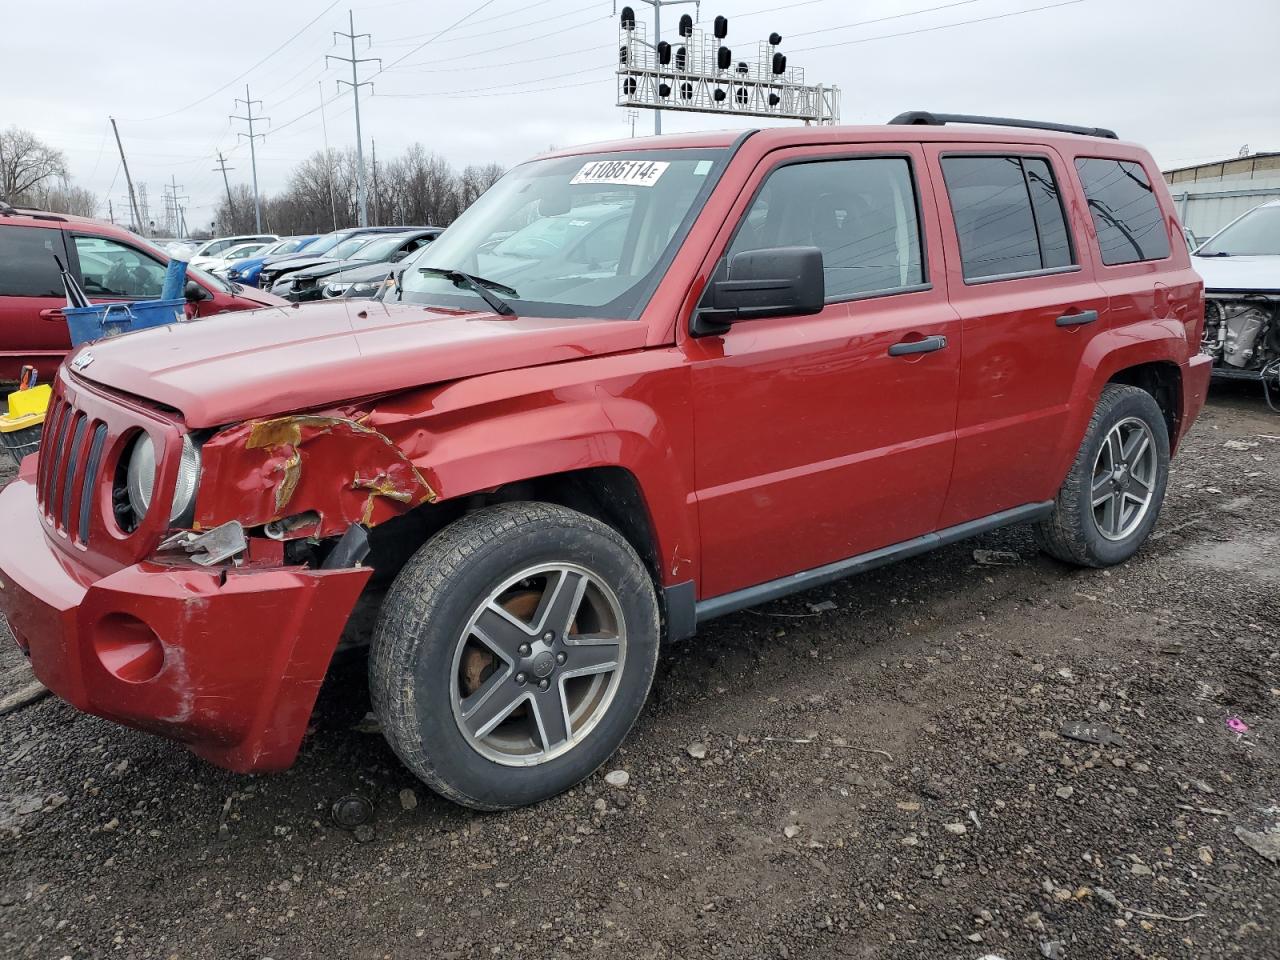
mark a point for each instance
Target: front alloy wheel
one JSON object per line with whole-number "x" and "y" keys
{"x": 513, "y": 653}
{"x": 538, "y": 664}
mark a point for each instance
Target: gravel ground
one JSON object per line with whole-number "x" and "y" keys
{"x": 884, "y": 776}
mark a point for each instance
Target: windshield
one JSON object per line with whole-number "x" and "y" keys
{"x": 346, "y": 248}
{"x": 380, "y": 249}
{"x": 571, "y": 236}
{"x": 326, "y": 243}
{"x": 1256, "y": 234}
{"x": 282, "y": 246}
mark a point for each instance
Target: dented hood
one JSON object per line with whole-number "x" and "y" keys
{"x": 1239, "y": 274}
{"x": 237, "y": 366}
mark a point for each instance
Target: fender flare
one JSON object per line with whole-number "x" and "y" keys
{"x": 1109, "y": 353}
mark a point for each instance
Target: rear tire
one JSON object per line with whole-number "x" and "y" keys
{"x": 513, "y": 653}
{"x": 1112, "y": 496}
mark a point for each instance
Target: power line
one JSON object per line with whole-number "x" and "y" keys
{"x": 241, "y": 76}
{"x": 943, "y": 26}
{"x": 432, "y": 39}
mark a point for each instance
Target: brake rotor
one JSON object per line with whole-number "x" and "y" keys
{"x": 477, "y": 661}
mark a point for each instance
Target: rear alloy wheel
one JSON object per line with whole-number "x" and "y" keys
{"x": 1112, "y": 495}
{"x": 1124, "y": 479}
{"x": 513, "y": 653}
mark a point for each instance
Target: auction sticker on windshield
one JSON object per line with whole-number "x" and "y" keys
{"x": 627, "y": 173}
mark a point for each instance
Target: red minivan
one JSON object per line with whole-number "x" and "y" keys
{"x": 111, "y": 264}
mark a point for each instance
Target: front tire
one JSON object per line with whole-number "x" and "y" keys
{"x": 513, "y": 653}
{"x": 1111, "y": 498}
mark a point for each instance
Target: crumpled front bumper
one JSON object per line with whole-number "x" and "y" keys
{"x": 227, "y": 661}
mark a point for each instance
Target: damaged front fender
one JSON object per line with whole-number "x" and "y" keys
{"x": 332, "y": 467}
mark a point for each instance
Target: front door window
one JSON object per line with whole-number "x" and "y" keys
{"x": 112, "y": 269}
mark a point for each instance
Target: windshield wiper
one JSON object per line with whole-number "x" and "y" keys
{"x": 479, "y": 285}
{"x": 1216, "y": 253}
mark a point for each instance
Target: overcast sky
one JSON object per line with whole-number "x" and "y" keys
{"x": 1192, "y": 81}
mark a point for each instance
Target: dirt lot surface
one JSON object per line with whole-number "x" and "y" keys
{"x": 882, "y": 776}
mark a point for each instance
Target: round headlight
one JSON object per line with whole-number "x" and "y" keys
{"x": 140, "y": 478}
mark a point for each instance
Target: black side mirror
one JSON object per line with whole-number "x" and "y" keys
{"x": 195, "y": 293}
{"x": 782, "y": 281}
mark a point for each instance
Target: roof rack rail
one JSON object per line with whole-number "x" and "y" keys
{"x": 926, "y": 118}
{"x": 36, "y": 214}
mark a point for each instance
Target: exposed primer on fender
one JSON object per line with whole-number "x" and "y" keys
{"x": 343, "y": 470}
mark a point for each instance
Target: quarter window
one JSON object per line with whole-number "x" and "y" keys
{"x": 1125, "y": 211}
{"x": 27, "y": 267}
{"x": 860, "y": 212}
{"x": 1008, "y": 215}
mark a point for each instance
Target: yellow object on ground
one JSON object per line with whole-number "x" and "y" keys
{"x": 23, "y": 403}
{"x": 21, "y": 427}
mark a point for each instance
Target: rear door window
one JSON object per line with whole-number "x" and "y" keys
{"x": 1126, "y": 214}
{"x": 1008, "y": 215}
{"x": 860, "y": 212}
{"x": 27, "y": 267}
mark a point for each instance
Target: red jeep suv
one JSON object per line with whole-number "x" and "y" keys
{"x": 110, "y": 263}
{"x": 635, "y": 386}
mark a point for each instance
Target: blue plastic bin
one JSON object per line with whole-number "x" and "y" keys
{"x": 175, "y": 280}
{"x": 104, "y": 320}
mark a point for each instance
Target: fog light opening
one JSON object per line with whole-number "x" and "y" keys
{"x": 128, "y": 648}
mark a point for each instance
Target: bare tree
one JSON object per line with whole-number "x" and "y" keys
{"x": 26, "y": 163}
{"x": 418, "y": 188}
{"x": 63, "y": 196}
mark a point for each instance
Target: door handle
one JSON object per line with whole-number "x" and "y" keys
{"x": 905, "y": 348}
{"x": 53, "y": 313}
{"x": 1077, "y": 319}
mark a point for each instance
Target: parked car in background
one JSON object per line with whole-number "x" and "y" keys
{"x": 211, "y": 248}
{"x": 791, "y": 355}
{"x": 369, "y": 280}
{"x": 176, "y": 247}
{"x": 1240, "y": 265}
{"x": 246, "y": 270}
{"x": 217, "y": 261}
{"x": 1190, "y": 238}
{"x": 110, "y": 263}
{"x": 384, "y": 251}
{"x": 323, "y": 250}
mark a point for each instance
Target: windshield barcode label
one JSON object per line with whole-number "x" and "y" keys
{"x": 632, "y": 173}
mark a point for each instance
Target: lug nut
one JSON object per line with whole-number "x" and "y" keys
{"x": 561, "y": 657}
{"x": 525, "y": 649}
{"x": 521, "y": 679}
{"x": 543, "y": 684}
{"x": 549, "y": 636}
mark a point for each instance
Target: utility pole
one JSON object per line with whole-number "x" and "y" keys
{"x": 253, "y": 154}
{"x": 377, "y": 209}
{"x": 657, "y": 38}
{"x": 133, "y": 200}
{"x": 328, "y": 160}
{"x": 231, "y": 208}
{"x": 355, "y": 83}
{"x": 111, "y": 212}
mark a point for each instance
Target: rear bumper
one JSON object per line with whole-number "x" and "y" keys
{"x": 228, "y": 662}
